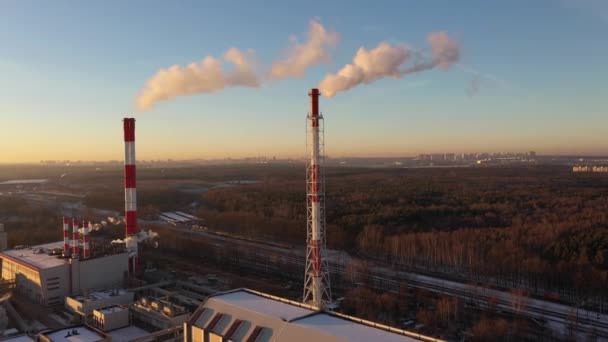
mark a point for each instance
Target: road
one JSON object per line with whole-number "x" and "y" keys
{"x": 274, "y": 257}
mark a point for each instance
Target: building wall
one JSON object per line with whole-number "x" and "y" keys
{"x": 55, "y": 284}
{"x": 111, "y": 321}
{"x": 87, "y": 307}
{"x": 103, "y": 273}
{"x": 27, "y": 280}
{"x": 32, "y": 283}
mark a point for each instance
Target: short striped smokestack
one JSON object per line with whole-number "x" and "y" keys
{"x": 86, "y": 246}
{"x": 75, "y": 239}
{"x": 66, "y": 236}
{"x": 130, "y": 193}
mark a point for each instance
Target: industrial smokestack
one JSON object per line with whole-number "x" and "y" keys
{"x": 75, "y": 239}
{"x": 130, "y": 194}
{"x": 86, "y": 247}
{"x": 316, "y": 283}
{"x": 66, "y": 236}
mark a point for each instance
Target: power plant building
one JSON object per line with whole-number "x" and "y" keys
{"x": 246, "y": 315}
{"x": 43, "y": 274}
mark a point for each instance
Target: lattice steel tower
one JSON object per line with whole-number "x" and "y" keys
{"x": 317, "y": 289}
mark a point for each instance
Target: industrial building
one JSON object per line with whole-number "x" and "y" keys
{"x": 86, "y": 305}
{"x": 251, "y": 316}
{"x": 75, "y": 270}
{"x": 176, "y": 217}
{"x": 47, "y": 276}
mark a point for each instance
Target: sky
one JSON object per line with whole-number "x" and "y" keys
{"x": 530, "y": 75}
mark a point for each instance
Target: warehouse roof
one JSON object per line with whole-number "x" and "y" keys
{"x": 36, "y": 256}
{"x": 245, "y": 314}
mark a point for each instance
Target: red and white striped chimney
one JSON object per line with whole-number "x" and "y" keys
{"x": 66, "y": 235}
{"x": 75, "y": 239}
{"x": 86, "y": 247}
{"x": 130, "y": 194}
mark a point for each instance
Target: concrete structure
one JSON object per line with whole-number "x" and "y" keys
{"x": 81, "y": 333}
{"x": 3, "y": 238}
{"x": 3, "y": 318}
{"x": 159, "y": 313}
{"x": 317, "y": 290}
{"x": 111, "y": 318}
{"x": 89, "y": 333}
{"x": 42, "y": 274}
{"x": 85, "y": 305}
{"x": 130, "y": 193}
{"x": 245, "y": 315}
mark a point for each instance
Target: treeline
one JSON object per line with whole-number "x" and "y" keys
{"x": 538, "y": 227}
{"x": 28, "y": 224}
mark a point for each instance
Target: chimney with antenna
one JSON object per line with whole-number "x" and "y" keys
{"x": 86, "y": 246}
{"x": 75, "y": 239}
{"x": 317, "y": 289}
{"x": 66, "y": 236}
{"x": 130, "y": 194}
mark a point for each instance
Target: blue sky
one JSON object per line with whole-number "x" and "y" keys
{"x": 71, "y": 70}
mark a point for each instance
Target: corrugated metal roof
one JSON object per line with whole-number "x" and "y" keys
{"x": 284, "y": 320}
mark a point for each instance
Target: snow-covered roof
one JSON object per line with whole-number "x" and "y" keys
{"x": 84, "y": 334}
{"x": 243, "y": 313}
{"x": 37, "y": 256}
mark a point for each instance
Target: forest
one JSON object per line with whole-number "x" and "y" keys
{"x": 542, "y": 228}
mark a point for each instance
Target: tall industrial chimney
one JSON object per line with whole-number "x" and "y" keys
{"x": 86, "y": 246}
{"x": 66, "y": 236}
{"x": 130, "y": 194}
{"x": 75, "y": 239}
{"x": 316, "y": 279}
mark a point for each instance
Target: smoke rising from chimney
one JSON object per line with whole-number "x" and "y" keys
{"x": 385, "y": 60}
{"x": 388, "y": 60}
{"x": 301, "y": 56}
{"x": 206, "y": 76}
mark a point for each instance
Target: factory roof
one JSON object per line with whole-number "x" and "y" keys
{"x": 36, "y": 256}
{"x": 245, "y": 314}
{"x": 19, "y": 338}
{"x": 111, "y": 309}
{"x": 260, "y": 305}
{"x": 128, "y": 333}
{"x": 24, "y": 181}
{"x": 94, "y": 296}
{"x": 83, "y": 334}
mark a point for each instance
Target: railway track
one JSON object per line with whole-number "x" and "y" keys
{"x": 272, "y": 257}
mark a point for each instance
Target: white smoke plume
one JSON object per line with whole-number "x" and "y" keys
{"x": 206, "y": 76}
{"x": 302, "y": 55}
{"x": 388, "y": 60}
{"x": 142, "y": 236}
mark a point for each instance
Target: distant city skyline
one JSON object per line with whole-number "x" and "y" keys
{"x": 230, "y": 80}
